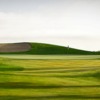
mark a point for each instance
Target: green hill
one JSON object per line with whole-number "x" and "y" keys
{"x": 40, "y": 48}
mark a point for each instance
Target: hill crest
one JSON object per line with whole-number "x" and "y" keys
{"x": 39, "y": 49}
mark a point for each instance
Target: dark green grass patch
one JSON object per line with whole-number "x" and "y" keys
{"x": 96, "y": 75}
{"x": 4, "y": 67}
{"x": 52, "y": 97}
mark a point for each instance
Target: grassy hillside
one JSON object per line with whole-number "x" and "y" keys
{"x": 43, "y": 49}
{"x": 40, "y": 48}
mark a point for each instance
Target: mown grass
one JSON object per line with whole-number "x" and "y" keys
{"x": 50, "y": 79}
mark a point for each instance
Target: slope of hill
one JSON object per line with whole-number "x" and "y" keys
{"x": 39, "y": 48}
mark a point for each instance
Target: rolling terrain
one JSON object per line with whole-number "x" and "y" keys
{"x": 35, "y": 71}
{"x": 40, "y": 49}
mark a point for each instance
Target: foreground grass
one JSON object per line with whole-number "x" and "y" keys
{"x": 49, "y": 79}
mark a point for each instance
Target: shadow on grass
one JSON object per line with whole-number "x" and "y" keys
{"x": 25, "y": 85}
{"x": 66, "y": 97}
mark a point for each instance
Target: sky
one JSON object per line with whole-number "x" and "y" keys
{"x": 73, "y": 23}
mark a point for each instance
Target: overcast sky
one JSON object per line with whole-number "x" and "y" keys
{"x": 64, "y": 22}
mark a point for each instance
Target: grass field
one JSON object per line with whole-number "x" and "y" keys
{"x": 26, "y": 77}
{"x": 22, "y": 56}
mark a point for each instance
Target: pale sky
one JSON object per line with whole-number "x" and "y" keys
{"x": 63, "y": 22}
